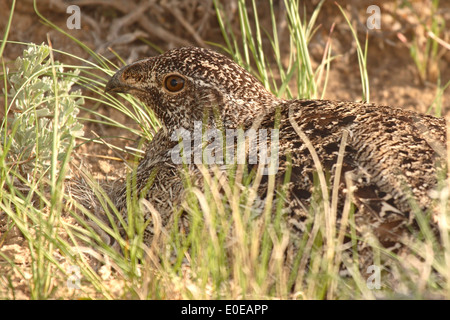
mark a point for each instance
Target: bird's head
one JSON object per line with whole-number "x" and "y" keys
{"x": 184, "y": 84}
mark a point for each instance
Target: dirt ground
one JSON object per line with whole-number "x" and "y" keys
{"x": 128, "y": 26}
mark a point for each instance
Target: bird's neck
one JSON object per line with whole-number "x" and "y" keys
{"x": 243, "y": 113}
{"x": 230, "y": 114}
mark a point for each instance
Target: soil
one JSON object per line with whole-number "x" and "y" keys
{"x": 127, "y": 27}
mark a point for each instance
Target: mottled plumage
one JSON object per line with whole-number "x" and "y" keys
{"x": 391, "y": 155}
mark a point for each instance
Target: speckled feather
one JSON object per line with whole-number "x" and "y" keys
{"x": 391, "y": 155}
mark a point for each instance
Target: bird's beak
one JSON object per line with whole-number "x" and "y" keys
{"x": 117, "y": 83}
{"x": 130, "y": 77}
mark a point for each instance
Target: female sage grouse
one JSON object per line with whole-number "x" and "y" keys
{"x": 390, "y": 158}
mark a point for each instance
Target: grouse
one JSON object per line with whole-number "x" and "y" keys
{"x": 390, "y": 158}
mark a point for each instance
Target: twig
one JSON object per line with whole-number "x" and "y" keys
{"x": 179, "y": 16}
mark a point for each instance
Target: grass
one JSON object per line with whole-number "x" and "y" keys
{"x": 425, "y": 52}
{"x": 237, "y": 245}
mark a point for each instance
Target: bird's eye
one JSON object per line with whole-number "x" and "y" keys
{"x": 174, "y": 83}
